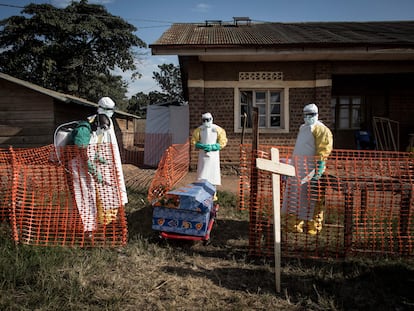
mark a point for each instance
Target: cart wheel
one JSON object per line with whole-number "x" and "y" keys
{"x": 206, "y": 242}
{"x": 158, "y": 238}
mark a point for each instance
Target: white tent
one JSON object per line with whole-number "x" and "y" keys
{"x": 166, "y": 124}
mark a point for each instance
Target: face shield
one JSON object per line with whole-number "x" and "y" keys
{"x": 207, "y": 119}
{"x": 109, "y": 112}
{"x": 310, "y": 118}
{"x": 207, "y": 122}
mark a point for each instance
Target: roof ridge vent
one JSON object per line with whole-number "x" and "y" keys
{"x": 244, "y": 19}
{"x": 212, "y": 22}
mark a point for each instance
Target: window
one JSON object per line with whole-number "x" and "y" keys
{"x": 347, "y": 111}
{"x": 269, "y": 104}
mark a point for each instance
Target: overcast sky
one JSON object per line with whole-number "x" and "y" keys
{"x": 153, "y": 17}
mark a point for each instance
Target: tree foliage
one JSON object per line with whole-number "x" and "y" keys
{"x": 72, "y": 50}
{"x": 137, "y": 104}
{"x": 169, "y": 80}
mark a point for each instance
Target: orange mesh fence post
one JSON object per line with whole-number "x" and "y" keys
{"x": 13, "y": 198}
{"x": 254, "y": 242}
{"x": 181, "y": 161}
{"x": 362, "y": 206}
{"x": 244, "y": 178}
{"x": 5, "y": 184}
{"x": 158, "y": 186}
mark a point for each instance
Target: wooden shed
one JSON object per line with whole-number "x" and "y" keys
{"x": 29, "y": 114}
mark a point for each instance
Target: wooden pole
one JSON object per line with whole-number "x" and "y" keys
{"x": 253, "y": 180}
{"x": 255, "y": 123}
{"x": 277, "y": 169}
{"x": 276, "y": 217}
{"x": 244, "y": 127}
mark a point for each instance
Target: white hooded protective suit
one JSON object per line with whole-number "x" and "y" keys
{"x": 98, "y": 199}
{"x": 208, "y": 166}
{"x": 314, "y": 142}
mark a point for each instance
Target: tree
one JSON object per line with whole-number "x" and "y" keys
{"x": 72, "y": 50}
{"x": 169, "y": 80}
{"x": 138, "y": 103}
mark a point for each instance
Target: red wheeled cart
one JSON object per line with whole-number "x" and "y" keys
{"x": 205, "y": 238}
{"x": 187, "y": 213}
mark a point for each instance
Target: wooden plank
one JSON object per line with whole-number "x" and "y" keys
{"x": 276, "y": 218}
{"x": 22, "y": 101}
{"x": 18, "y": 106}
{"x": 36, "y": 123}
{"x": 19, "y": 115}
{"x": 277, "y": 168}
{"x": 31, "y": 139}
{"x": 26, "y": 141}
{"x": 6, "y": 130}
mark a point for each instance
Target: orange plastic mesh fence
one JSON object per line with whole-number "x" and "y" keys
{"x": 362, "y": 205}
{"x": 172, "y": 167}
{"x": 50, "y": 200}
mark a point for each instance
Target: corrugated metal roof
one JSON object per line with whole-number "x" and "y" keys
{"x": 192, "y": 35}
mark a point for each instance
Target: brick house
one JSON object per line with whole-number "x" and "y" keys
{"x": 354, "y": 71}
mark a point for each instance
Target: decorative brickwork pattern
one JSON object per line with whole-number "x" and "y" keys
{"x": 260, "y": 75}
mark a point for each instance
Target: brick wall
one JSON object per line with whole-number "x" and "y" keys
{"x": 220, "y": 101}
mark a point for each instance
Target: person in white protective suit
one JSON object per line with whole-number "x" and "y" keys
{"x": 313, "y": 146}
{"x": 209, "y": 138}
{"x": 98, "y": 178}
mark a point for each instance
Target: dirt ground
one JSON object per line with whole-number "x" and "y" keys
{"x": 229, "y": 183}
{"x": 140, "y": 179}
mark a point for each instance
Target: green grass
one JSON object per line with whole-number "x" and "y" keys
{"x": 149, "y": 274}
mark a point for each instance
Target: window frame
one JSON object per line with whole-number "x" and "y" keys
{"x": 349, "y": 108}
{"x": 284, "y": 109}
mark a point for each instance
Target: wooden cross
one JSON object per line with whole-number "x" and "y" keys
{"x": 277, "y": 169}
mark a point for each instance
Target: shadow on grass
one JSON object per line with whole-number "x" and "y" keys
{"x": 140, "y": 222}
{"x": 237, "y": 279}
{"x": 379, "y": 288}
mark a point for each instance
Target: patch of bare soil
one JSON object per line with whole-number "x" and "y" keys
{"x": 229, "y": 183}
{"x": 137, "y": 178}
{"x": 140, "y": 179}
